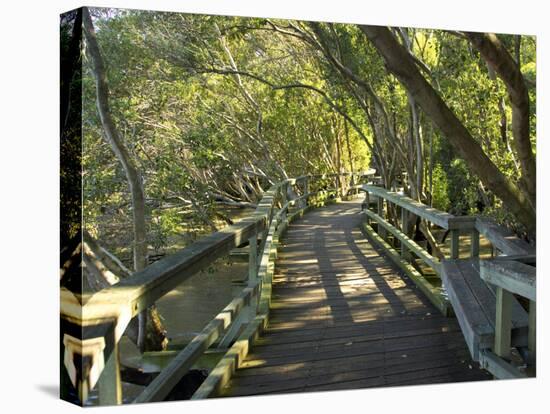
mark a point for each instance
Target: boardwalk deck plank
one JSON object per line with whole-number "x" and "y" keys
{"x": 344, "y": 317}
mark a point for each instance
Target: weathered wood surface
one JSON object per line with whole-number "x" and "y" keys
{"x": 474, "y": 303}
{"x": 343, "y": 317}
{"x": 503, "y": 239}
{"x": 407, "y": 241}
{"x": 433, "y": 293}
{"x": 514, "y": 276}
{"x": 437, "y": 217}
{"x": 161, "y": 386}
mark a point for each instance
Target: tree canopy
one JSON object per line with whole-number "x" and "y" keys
{"x": 212, "y": 110}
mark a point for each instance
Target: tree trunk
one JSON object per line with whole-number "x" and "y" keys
{"x": 350, "y": 154}
{"x": 70, "y": 69}
{"x": 498, "y": 58}
{"x": 400, "y": 63}
{"x": 116, "y": 142}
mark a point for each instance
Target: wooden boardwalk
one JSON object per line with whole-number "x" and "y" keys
{"x": 344, "y": 317}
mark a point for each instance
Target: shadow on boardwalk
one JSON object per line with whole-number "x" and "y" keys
{"x": 344, "y": 317}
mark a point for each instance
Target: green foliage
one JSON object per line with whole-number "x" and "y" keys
{"x": 440, "y": 197}
{"x": 199, "y": 132}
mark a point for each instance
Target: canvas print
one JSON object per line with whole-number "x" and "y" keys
{"x": 255, "y": 206}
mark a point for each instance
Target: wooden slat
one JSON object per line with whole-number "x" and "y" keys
{"x": 513, "y": 276}
{"x": 474, "y": 303}
{"x": 433, "y": 215}
{"x": 502, "y": 238}
{"x": 408, "y": 242}
{"x": 498, "y": 367}
{"x": 435, "y": 295}
{"x": 475, "y": 325}
{"x": 336, "y": 321}
{"x": 485, "y": 294}
{"x": 163, "y": 383}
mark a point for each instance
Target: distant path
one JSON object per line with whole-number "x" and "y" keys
{"x": 344, "y": 317}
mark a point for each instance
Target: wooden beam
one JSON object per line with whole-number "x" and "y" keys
{"x": 406, "y": 242}
{"x": 503, "y": 239}
{"x": 433, "y": 215}
{"x": 503, "y": 323}
{"x": 221, "y": 374}
{"x": 380, "y": 210}
{"x": 514, "y": 276}
{"x": 499, "y": 367}
{"x": 474, "y": 243}
{"x": 110, "y": 388}
{"x": 404, "y": 224}
{"x": 434, "y": 295}
{"x": 161, "y": 386}
{"x": 455, "y": 243}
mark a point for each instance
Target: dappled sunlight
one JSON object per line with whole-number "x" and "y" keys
{"x": 186, "y": 129}
{"x": 327, "y": 274}
{"x": 254, "y": 363}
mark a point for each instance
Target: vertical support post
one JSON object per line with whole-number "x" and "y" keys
{"x": 253, "y": 257}
{"x": 380, "y": 206}
{"x": 366, "y": 203}
{"x": 110, "y": 389}
{"x": 532, "y": 335}
{"x": 455, "y": 243}
{"x": 404, "y": 226}
{"x": 284, "y": 189}
{"x": 474, "y": 243}
{"x": 366, "y": 206}
{"x": 503, "y": 323}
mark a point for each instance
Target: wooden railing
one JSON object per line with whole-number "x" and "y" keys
{"x": 508, "y": 271}
{"x": 91, "y": 331}
{"x": 408, "y": 209}
{"x": 511, "y": 272}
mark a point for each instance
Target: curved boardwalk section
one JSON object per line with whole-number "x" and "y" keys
{"x": 343, "y": 317}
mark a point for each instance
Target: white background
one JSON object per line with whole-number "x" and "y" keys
{"x": 29, "y": 194}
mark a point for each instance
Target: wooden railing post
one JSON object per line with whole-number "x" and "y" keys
{"x": 503, "y": 322}
{"x": 380, "y": 205}
{"x": 455, "y": 243}
{"x": 404, "y": 225}
{"x": 474, "y": 243}
{"x": 253, "y": 258}
{"x": 366, "y": 206}
{"x": 110, "y": 389}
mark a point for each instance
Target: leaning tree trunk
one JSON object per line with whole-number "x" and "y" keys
{"x": 401, "y": 64}
{"x": 498, "y": 58}
{"x": 117, "y": 144}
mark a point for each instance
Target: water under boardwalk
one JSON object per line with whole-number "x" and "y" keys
{"x": 343, "y": 317}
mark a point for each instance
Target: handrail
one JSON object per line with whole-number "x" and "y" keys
{"x": 95, "y": 327}
{"x": 511, "y": 276}
{"x": 502, "y": 238}
{"x": 433, "y": 215}
{"x": 410, "y": 207}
